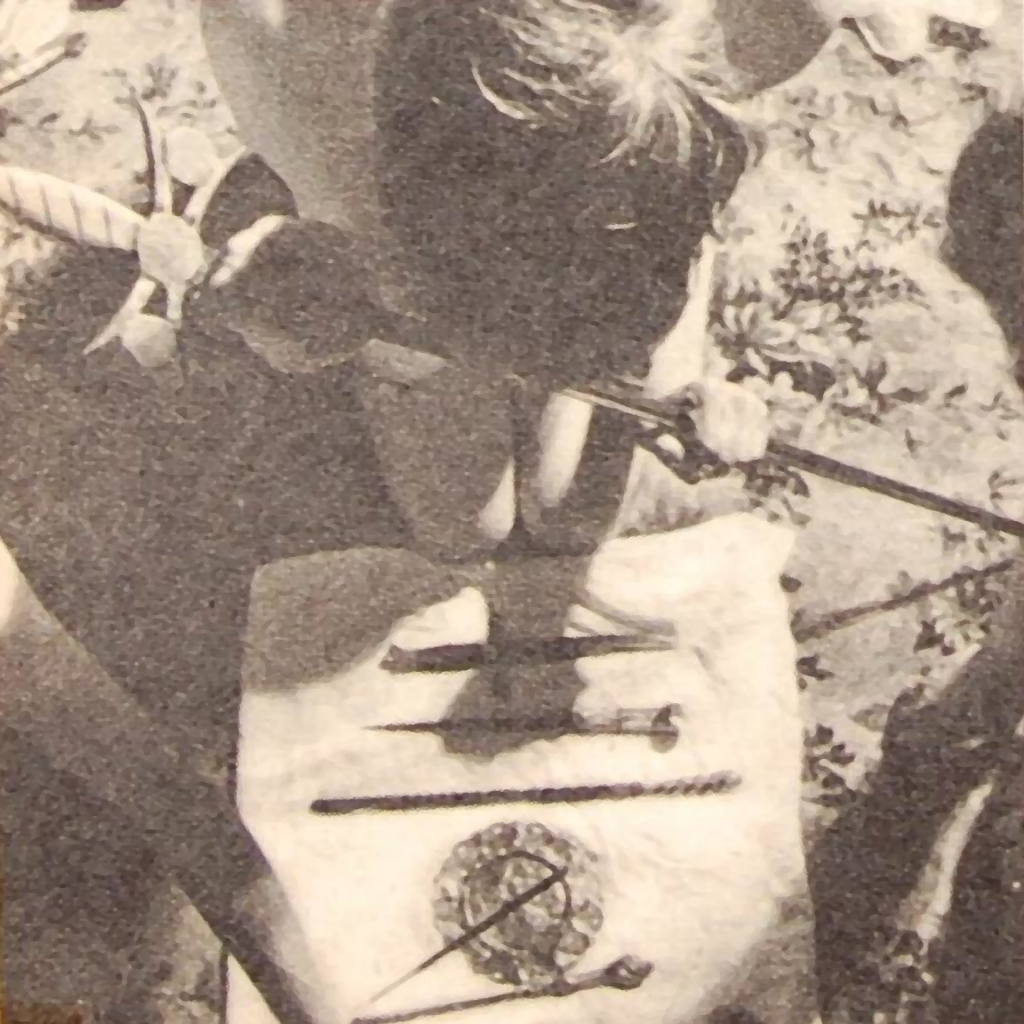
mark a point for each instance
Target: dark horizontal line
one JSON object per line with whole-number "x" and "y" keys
{"x": 706, "y": 785}
{"x": 559, "y": 725}
{"x": 524, "y": 727}
{"x": 550, "y": 650}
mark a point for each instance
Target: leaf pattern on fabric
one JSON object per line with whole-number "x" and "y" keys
{"x": 835, "y": 307}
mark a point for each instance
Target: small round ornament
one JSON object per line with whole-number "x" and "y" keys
{"x": 534, "y": 944}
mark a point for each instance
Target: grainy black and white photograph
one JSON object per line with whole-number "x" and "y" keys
{"x": 510, "y": 511}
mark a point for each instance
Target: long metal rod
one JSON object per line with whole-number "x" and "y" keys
{"x": 679, "y": 424}
{"x": 660, "y": 726}
{"x": 707, "y": 785}
{"x": 814, "y": 629}
{"x": 842, "y": 473}
{"x": 625, "y": 974}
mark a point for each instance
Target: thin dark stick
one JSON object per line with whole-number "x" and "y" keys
{"x": 69, "y": 49}
{"x": 547, "y": 651}
{"x": 840, "y": 472}
{"x": 559, "y": 723}
{"x": 658, "y": 725}
{"x": 845, "y": 617}
{"x": 707, "y": 785}
{"x": 566, "y": 724}
{"x": 499, "y": 915}
{"x": 681, "y": 426}
{"x": 625, "y": 974}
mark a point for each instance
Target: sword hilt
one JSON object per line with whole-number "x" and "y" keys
{"x": 625, "y": 974}
{"x": 660, "y": 724}
{"x": 650, "y": 422}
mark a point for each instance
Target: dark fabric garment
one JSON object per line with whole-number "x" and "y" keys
{"x": 871, "y": 858}
{"x": 121, "y": 491}
{"x": 72, "y": 887}
{"x": 138, "y": 514}
{"x": 935, "y": 755}
{"x": 980, "y": 964}
{"x": 985, "y": 245}
{"x": 520, "y": 232}
{"x": 308, "y": 284}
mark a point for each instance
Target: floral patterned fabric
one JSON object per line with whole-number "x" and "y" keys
{"x": 870, "y": 351}
{"x": 835, "y": 306}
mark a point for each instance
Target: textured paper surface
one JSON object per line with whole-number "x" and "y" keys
{"x": 694, "y": 885}
{"x": 174, "y": 524}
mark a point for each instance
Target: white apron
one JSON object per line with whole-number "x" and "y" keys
{"x": 689, "y": 895}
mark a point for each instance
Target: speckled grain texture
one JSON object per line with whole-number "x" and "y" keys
{"x": 917, "y": 386}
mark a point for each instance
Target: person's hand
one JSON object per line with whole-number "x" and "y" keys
{"x": 730, "y": 420}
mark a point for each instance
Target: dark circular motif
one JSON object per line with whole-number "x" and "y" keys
{"x": 533, "y": 944}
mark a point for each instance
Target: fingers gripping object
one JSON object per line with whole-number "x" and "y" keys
{"x": 669, "y": 431}
{"x": 691, "y": 460}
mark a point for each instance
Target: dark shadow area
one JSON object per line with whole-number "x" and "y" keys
{"x": 138, "y": 511}
{"x": 522, "y": 699}
{"x": 88, "y": 6}
{"x": 499, "y": 708}
{"x": 985, "y": 245}
{"x": 73, "y": 889}
{"x": 934, "y": 756}
{"x": 871, "y": 858}
{"x": 978, "y": 968}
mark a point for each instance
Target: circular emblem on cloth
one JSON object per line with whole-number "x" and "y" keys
{"x": 530, "y": 942}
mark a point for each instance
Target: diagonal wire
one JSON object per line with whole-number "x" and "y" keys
{"x": 832, "y": 622}
{"x": 39, "y": 63}
{"x": 509, "y": 907}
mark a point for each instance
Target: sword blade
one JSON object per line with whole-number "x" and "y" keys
{"x": 564, "y": 724}
{"x": 552, "y": 650}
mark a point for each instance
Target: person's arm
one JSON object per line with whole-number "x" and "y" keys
{"x": 985, "y": 219}
{"x": 55, "y": 696}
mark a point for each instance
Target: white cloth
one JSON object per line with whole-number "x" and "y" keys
{"x": 698, "y": 886}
